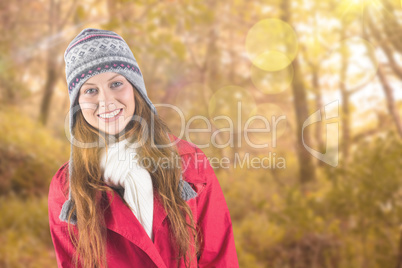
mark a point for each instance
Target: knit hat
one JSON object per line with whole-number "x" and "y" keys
{"x": 92, "y": 52}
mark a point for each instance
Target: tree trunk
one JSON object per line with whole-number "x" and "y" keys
{"x": 391, "y": 25}
{"x": 306, "y": 169}
{"x": 318, "y": 106}
{"x": 306, "y": 166}
{"x": 345, "y": 118}
{"x": 392, "y": 109}
{"x": 56, "y": 22}
{"x": 48, "y": 92}
{"x": 51, "y": 71}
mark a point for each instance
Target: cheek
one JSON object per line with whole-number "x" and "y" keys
{"x": 87, "y": 110}
{"x": 129, "y": 99}
{"x": 89, "y": 116}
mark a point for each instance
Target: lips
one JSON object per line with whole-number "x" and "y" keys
{"x": 109, "y": 116}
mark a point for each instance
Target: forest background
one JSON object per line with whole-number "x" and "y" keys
{"x": 328, "y": 192}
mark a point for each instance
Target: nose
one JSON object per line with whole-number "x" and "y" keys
{"x": 106, "y": 101}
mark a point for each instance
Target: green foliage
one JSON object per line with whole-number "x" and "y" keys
{"x": 349, "y": 217}
{"x": 10, "y": 81}
{"x": 29, "y": 154}
{"x": 366, "y": 198}
{"x": 24, "y": 227}
{"x": 80, "y": 14}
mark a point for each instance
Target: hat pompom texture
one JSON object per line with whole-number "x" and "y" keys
{"x": 91, "y": 52}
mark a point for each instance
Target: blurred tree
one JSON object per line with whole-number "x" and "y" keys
{"x": 306, "y": 165}
{"x": 345, "y": 54}
{"x": 313, "y": 60}
{"x": 11, "y": 65}
{"x": 55, "y": 24}
{"x": 385, "y": 42}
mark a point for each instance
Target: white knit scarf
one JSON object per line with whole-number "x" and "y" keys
{"x": 121, "y": 170}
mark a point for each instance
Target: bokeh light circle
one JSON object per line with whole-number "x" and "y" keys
{"x": 272, "y": 82}
{"x": 271, "y": 44}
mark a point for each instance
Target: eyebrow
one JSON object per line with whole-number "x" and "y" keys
{"x": 107, "y": 80}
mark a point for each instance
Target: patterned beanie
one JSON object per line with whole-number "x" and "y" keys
{"x": 92, "y": 52}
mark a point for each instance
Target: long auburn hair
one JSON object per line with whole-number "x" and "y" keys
{"x": 89, "y": 190}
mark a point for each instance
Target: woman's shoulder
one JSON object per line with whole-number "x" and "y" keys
{"x": 183, "y": 146}
{"x": 188, "y": 149}
{"x": 195, "y": 164}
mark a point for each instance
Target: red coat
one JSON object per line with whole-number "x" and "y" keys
{"x": 129, "y": 245}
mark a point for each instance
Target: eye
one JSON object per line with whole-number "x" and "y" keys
{"x": 89, "y": 91}
{"x": 116, "y": 84}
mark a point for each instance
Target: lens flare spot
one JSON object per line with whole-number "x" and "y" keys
{"x": 272, "y": 82}
{"x": 271, "y": 44}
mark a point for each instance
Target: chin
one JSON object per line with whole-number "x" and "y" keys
{"x": 111, "y": 132}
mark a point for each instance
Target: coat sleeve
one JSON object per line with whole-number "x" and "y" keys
{"x": 218, "y": 246}
{"x": 62, "y": 243}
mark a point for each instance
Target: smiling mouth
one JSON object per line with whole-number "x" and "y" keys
{"x": 111, "y": 114}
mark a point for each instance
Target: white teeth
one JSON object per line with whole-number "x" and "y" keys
{"x": 110, "y": 115}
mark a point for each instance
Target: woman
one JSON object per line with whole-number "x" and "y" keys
{"x": 107, "y": 208}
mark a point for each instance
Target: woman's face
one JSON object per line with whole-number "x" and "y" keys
{"x": 107, "y": 102}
